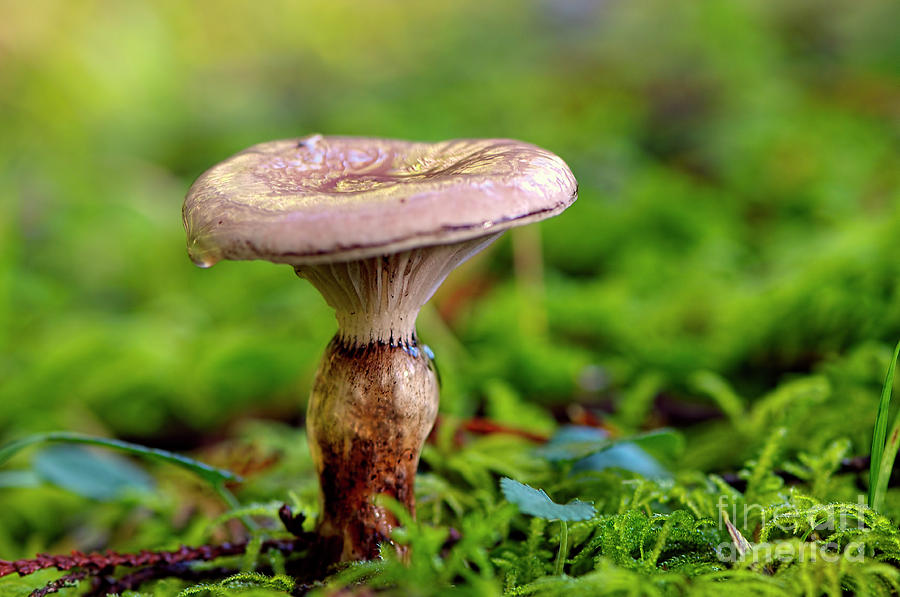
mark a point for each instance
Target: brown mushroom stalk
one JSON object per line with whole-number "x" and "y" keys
{"x": 375, "y": 397}
{"x": 376, "y": 226}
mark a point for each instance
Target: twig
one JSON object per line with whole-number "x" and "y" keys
{"x": 94, "y": 563}
{"x": 486, "y": 427}
{"x": 104, "y": 587}
{"x": 63, "y": 582}
{"x": 154, "y": 564}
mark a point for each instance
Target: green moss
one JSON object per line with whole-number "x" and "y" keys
{"x": 730, "y": 270}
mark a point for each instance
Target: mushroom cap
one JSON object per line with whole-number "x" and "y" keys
{"x": 327, "y": 199}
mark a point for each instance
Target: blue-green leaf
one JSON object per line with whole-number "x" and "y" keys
{"x": 537, "y": 503}
{"x": 214, "y": 476}
{"x": 19, "y": 479}
{"x": 574, "y": 443}
{"x": 90, "y": 474}
{"x": 626, "y": 456}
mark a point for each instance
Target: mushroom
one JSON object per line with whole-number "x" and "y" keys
{"x": 375, "y": 225}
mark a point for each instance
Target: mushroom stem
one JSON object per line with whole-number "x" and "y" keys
{"x": 372, "y": 406}
{"x": 375, "y": 396}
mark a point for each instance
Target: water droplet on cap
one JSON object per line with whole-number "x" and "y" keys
{"x": 202, "y": 259}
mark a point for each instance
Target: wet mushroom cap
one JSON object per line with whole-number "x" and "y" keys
{"x": 324, "y": 199}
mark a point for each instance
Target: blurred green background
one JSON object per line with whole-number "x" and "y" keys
{"x": 737, "y": 214}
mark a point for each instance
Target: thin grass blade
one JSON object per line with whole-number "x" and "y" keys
{"x": 882, "y": 459}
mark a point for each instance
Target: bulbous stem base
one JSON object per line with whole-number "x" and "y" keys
{"x": 372, "y": 406}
